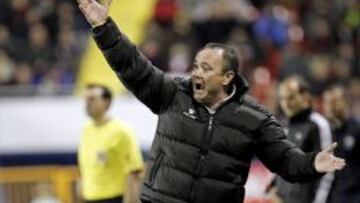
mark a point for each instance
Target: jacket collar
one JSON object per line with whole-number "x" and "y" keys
{"x": 213, "y": 109}
{"x": 242, "y": 86}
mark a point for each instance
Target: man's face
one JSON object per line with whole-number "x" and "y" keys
{"x": 208, "y": 78}
{"x": 292, "y": 100}
{"x": 96, "y": 105}
{"x": 334, "y": 104}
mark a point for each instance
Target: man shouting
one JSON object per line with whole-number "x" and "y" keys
{"x": 208, "y": 129}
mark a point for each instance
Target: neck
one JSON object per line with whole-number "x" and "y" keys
{"x": 101, "y": 119}
{"x": 220, "y": 97}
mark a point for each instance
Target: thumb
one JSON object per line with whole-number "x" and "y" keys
{"x": 331, "y": 148}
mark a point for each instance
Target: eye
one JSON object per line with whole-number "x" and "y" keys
{"x": 292, "y": 97}
{"x": 206, "y": 67}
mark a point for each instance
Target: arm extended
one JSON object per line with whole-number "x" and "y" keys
{"x": 287, "y": 160}
{"x": 135, "y": 71}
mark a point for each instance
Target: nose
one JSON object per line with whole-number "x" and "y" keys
{"x": 284, "y": 103}
{"x": 196, "y": 72}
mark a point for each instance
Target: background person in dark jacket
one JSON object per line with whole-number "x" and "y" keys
{"x": 308, "y": 130}
{"x": 208, "y": 130}
{"x": 346, "y": 131}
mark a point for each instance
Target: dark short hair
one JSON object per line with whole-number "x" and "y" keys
{"x": 105, "y": 92}
{"x": 303, "y": 85}
{"x": 231, "y": 61}
{"x": 339, "y": 87}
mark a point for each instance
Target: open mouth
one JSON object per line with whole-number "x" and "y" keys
{"x": 198, "y": 85}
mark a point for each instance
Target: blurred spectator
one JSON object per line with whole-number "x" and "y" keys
{"x": 17, "y": 23}
{"x": 42, "y": 193}
{"x": 165, "y": 12}
{"x": 272, "y": 25}
{"x": 309, "y": 131}
{"x": 109, "y": 157}
{"x": 40, "y": 47}
{"x": 23, "y": 75}
{"x": 179, "y": 58}
{"x": 295, "y": 62}
{"x": 5, "y": 41}
{"x": 213, "y": 21}
{"x": 354, "y": 93}
{"x": 320, "y": 72}
{"x": 341, "y": 71}
{"x": 346, "y": 132}
{"x": 67, "y": 55}
{"x": 240, "y": 39}
{"x": 7, "y": 67}
{"x": 321, "y": 39}
{"x": 65, "y": 11}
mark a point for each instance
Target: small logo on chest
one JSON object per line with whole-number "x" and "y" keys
{"x": 298, "y": 136}
{"x": 101, "y": 157}
{"x": 349, "y": 142}
{"x": 190, "y": 113}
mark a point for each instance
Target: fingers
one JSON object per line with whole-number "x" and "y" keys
{"x": 331, "y": 148}
{"x": 83, "y": 10}
{"x": 83, "y": 3}
{"x": 107, "y": 3}
{"x": 339, "y": 166}
{"x": 338, "y": 163}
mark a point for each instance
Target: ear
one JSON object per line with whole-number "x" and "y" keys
{"x": 228, "y": 77}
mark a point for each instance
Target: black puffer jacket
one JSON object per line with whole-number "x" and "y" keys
{"x": 197, "y": 156}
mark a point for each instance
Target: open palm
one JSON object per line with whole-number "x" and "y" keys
{"x": 94, "y": 12}
{"x": 325, "y": 161}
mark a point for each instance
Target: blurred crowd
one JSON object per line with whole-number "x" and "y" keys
{"x": 40, "y": 42}
{"x": 317, "y": 39}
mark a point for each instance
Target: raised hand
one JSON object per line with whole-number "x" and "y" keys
{"x": 94, "y": 12}
{"x": 325, "y": 161}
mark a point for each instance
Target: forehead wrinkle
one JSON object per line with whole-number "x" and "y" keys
{"x": 213, "y": 56}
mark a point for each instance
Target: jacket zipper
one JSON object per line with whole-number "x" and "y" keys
{"x": 210, "y": 124}
{"x": 208, "y": 134}
{"x": 207, "y": 139}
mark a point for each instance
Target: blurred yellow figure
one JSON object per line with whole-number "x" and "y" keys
{"x": 133, "y": 17}
{"x": 109, "y": 156}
